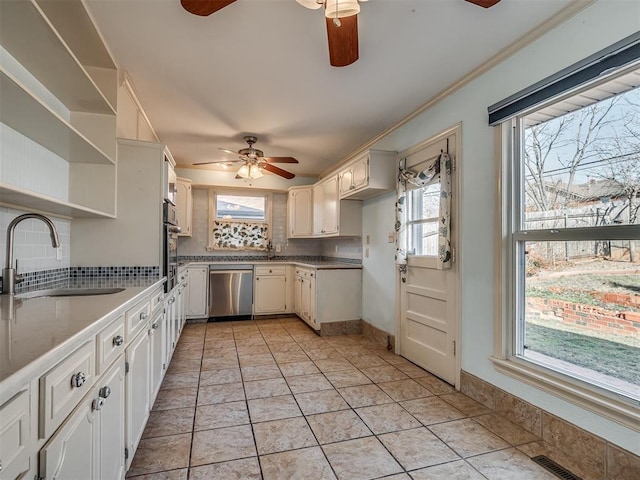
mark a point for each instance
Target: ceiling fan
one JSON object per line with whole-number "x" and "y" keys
{"x": 341, "y": 20}
{"x": 253, "y": 161}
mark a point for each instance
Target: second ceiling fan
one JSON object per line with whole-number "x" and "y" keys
{"x": 253, "y": 161}
{"x": 341, "y": 20}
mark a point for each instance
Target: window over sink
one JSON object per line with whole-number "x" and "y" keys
{"x": 238, "y": 221}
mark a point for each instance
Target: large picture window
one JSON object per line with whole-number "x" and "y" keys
{"x": 575, "y": 236}
{"x": 238, "y": 221}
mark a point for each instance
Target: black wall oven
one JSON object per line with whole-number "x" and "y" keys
{"x": 170, "y": 230}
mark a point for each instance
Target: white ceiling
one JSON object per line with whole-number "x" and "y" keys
{"x": 262, "y": 67}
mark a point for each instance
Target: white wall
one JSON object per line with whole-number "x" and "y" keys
{"x": 598, "y": 26}
{"x": 378, "y": 269}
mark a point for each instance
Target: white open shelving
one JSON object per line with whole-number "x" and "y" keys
{"x": 56, "y": 42}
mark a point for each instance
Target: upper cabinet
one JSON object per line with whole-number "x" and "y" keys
{"x": 184, "y": 206}
{"x": 300, "y": 212}
{"x": 58, "y": 86}
{"x": 369, "y": 175}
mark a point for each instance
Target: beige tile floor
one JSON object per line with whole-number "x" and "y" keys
{"x": 269, "y": 399}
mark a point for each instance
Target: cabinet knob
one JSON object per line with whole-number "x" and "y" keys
{"x": 154, "y": 325}
{"x": 104, "y": 392}
{"x": 98, "y": 403}
{"x": 118, "y": 340}
{"x": 144, "y": 315}
{"x": 78, "y": 379}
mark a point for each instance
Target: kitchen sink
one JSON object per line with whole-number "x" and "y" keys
{"x": 69, "y": 292}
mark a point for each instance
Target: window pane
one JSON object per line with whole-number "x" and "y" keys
{"x": 424, "y": 238}
{"x": 239, "y": 207}
{"x": 424, "y": 202}
{"x": 582, "y": 311}
{"x": 582, "y": 168}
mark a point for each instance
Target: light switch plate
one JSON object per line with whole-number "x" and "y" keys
{"x": 391, "y": 238}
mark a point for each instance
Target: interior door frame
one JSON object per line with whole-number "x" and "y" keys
{"x": 455, "y": 240}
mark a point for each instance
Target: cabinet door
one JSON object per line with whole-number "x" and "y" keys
{"x": 318, "y": 209}
{"x": 305, "y": 299}
{"x": 330, "y": 205}
{"x": 184, "y": 206}
{"x": 158, "y": 344}
{"x": 360, "y": 173}
{"x": 346, "y": 180}
{"x": 14, "y": 435}
{"x": 138, "y": 401}
{"x": 300, "y": 212}
{"x": 112, "y": 414}
{"x": 270, "y": 294}
{"x": 196, "y": 292}
{"x": 297, "y": 296}
{"x": 71, "y": 451}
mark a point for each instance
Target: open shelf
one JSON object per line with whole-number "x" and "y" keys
{"x": 23, "y": 112}
{"x": 25, "y": 199}
{"x": 28, "y": 35}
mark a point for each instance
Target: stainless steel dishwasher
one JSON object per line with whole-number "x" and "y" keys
{"x": 230, "y": 291}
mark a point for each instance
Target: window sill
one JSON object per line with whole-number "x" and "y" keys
{"x": 607, "y": 404}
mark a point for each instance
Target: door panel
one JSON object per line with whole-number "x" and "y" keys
{"x": 428, "y": 299}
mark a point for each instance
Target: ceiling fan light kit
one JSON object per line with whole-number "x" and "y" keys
{"x": 250, "y": 170}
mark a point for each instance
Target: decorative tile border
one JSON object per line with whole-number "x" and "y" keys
{"x": 60, "y": 276}
{"x": 94, "y": 272}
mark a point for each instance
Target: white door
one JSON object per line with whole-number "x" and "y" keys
{"x": 429, "y": 315}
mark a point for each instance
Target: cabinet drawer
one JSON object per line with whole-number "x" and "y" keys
{"x": 136, "y": 318}
{"x": 14, "y": 432}
{"x": 157, "y": 299}
{"x": 301, "y": 272}
{"x": 64, "y": 385}
{"x": 110, "y": 343}
{"x": 275, "y": 271}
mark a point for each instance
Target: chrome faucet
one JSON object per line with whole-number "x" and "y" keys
{"x": 9, "y": 276}
{"x": 270, "y": 254}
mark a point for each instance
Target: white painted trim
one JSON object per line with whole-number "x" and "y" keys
{"x": 127, "y": 84}
{"x": 562, "y": 16}
{"x": 600, "y": 401}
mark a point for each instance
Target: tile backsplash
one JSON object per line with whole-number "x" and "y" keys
{"x": 32, "y": 243}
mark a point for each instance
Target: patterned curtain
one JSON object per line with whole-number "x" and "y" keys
{"x": 238, "y": 236}
{"x": 437, "y": 169}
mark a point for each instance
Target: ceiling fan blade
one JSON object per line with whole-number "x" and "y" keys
{"x": 278, "y": 171}
{"x": 484, "y": 3}
{"x": 218, "y": 162}
{"x": 280, "y": 159}
{"x": 204, "y": 7}
{"x": 226, "y": 150}
{"x": 343, "y": 41}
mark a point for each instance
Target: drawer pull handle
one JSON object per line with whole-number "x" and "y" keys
{"x": 104, "y": 392}
{"x": 118, "y": 340}
{"x": 98, "y": 403}
{"x": 144, "y": 315}
{"x": 78, "y": 379}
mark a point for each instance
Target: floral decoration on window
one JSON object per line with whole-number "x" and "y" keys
{"x": 239, "y": 236}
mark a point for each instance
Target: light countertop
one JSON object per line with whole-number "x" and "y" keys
{"x": 33, "y": 331}
{"x": 316, "y": 264}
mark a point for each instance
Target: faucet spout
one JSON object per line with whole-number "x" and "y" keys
{"x": 9, "y": 277}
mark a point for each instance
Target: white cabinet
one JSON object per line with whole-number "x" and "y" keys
{"x": 184, "y": 206}
{"x": 305, "y": 296}
{"x": 90, "y": 442}
{"x": 334, "y": 217}
{"x": 138, "y": 391}
{"x": 84, "y": 80}
{"x": 14, "y": 435}
{"x": 369, "y": 175}
{"x": 196, "y": 292}
{"x": 270, "y": 290}
{"x": 300, "y": 212}
{"x": 158, "y": 332}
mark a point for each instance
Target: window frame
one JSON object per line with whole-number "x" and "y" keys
{"x": 509, "y": 284}
{"x": 213, "y": 206}
{"x": 420, "y": 221}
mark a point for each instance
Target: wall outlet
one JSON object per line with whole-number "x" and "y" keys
{"x": 391, "y": 238}
{"x": 368, "y": 239}
{"x": 278, "y": 248}
{"x": 59, "y": 253}
{"x": 366, "y": 252}
{"x": 336, "y": 248}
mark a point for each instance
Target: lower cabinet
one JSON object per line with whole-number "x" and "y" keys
{"x": 196, "y": 292}
{"x": 90, "y": 442}
{"x": 305, "y": 296}
{"x": 270, "y": 290}
{"x": 158, "y": 333}
{"x": 14, "y": 434}
{"x": 138, "y": 356}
